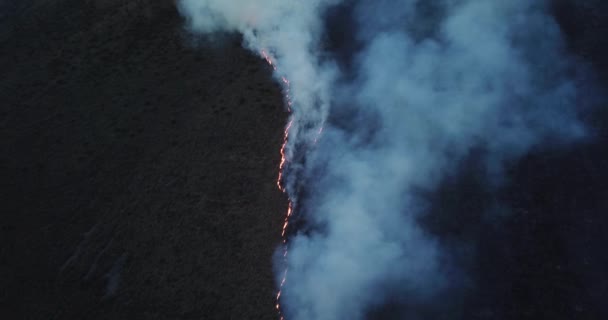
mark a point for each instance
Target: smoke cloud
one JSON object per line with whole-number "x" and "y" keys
{"x": 404, "y": 91}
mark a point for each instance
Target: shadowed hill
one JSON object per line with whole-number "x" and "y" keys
{"x": 138, "y": 173}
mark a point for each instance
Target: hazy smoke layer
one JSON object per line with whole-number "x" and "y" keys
{"x": 414, "y": 87}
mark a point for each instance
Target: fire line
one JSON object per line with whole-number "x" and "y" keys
{"x": 280, "y": 185}
{"x": 280, "y": 180}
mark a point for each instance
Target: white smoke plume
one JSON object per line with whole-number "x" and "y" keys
{"x": 424, "y": 85}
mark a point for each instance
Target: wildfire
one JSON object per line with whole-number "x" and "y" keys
{"x": 280, "y": 179}
{"x": 267, "y": 58}
{"x": 280, "y": 185}
{"x": 283, "y": 156}
{"x": 286, "y": 223}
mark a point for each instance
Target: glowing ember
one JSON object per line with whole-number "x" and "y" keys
{"x": 286, "y": 223}
{"x": 267, "y": 58}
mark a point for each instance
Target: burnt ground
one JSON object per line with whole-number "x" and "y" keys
{"x": 138, "y": 169}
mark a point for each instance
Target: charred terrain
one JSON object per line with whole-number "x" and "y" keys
{"x": 138, "y": 179}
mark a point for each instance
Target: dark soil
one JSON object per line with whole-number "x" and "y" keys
{"x": 137, "y": 169}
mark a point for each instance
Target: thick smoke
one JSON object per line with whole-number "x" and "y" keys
{"x": 424, "y": 85}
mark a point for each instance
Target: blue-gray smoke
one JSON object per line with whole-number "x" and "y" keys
{"x": 423, "y": 85}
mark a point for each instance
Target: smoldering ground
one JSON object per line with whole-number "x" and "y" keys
{"x": 408, "y": 94}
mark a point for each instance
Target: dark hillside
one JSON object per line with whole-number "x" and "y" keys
{"x": 138, "y": 173}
